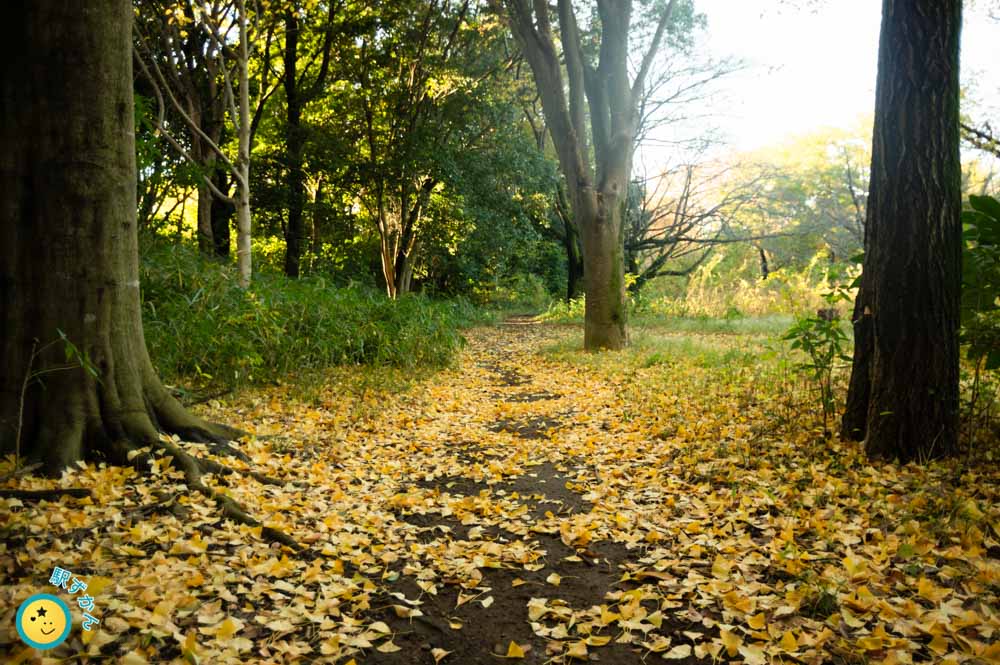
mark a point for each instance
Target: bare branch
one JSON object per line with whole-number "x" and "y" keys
{"x": 193, "y": 126}
{"x": 647, "y": 60}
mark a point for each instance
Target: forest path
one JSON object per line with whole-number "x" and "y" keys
{"x": 502, "y": 501}
{"x": 535, "y": 504}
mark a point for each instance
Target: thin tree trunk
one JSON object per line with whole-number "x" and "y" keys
{"x": 317, "y": 219}
{"x": 244, "y": 261}
{"x": 913, "y": 256}
{"x": 222, "y": 214}
{"x": 387, "y": 250}
{"x": 574, "y": 264}
{"x": 765, "y": 269}
{"x": 206, "y": 161}
{"x": 854, "y": 425}
{"x": 571, "y": 242}
{"x": 294, "y": 146}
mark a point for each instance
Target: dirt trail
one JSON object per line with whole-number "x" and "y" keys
{"x": 515, "y": 428}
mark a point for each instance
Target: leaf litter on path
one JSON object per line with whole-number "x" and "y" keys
{"x": 531, "y": 507}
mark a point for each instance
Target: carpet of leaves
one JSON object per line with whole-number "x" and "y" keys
{"x": 538, "y": 507}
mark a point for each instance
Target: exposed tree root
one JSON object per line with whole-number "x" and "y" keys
{"x": 121, "y": 421}
{"x": 172, "y": 417}
{"x": 211, "y": 466}
{"x": 192, "y": 469}
{"x": 23, "y": 471}
{"x": 39, "y": 495}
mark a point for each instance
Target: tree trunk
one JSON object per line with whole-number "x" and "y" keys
{"x": 244, "y": 261}
{"x": 765, "y": 269}
{"x": 211, "y": 121}
{"x": 294, "y": 146}
{"x": 69, "y": 260}
{"x": 854, "y": 424}
{"x": 604, "y": 273}
{"x": 317, "y": 220}
{"x": 571, "y": 242}
{"x": 913, "y": 256}
{"x": 574, "y": 264}
{"x": 222, "y": 214}
{"x": 599, "y": 103}
{"x": 204, "y": 224}
{"x": 404, "y": 274}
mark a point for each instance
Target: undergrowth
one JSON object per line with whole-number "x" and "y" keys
{"x": 202, "y": 329}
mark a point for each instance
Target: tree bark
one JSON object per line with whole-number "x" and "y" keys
{"x": 203, "y": 229}
{"x": 597, "y": 192}
{"x": 913, "y": 255}
{"x": 574, "y": 263}
{"x": 294, "y": 146}
{"x": 571, "y": 243}
{"x": 854, "y": 424}
{"x": 222, "y": 211}
{"x": 765, "y": 270}
{"x": 69, "y": 260}
{"x": 244, "y": 260}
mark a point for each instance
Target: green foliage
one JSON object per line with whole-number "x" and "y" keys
{"x": 200, "y": 326}
{"x": 981, "y": 281}
{"x": 74, "y": 356}
{"x": 822, "y": 338}
{"x": 561, "y": 311}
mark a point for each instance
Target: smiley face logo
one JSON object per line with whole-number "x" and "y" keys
{"x": 43, "y": 621}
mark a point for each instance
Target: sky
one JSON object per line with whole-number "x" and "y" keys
{"x": 810, "y": 68}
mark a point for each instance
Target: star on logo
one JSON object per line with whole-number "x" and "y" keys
{"x": 41, "y": 612}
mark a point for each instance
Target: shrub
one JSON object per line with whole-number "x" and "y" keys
{"x": 201, "y": 327}
{"x": 981, "y": 281}
{"x": 822, "y": 338}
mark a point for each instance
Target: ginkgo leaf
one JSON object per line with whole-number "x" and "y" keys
{"x": 678, "y": 652}
{"x": 380, "y": 627}
{"x": 133, "y": 658}
{"x": 730, "y": 641}
{"x": 930, "y": 591}
{"x": 577, "y": 650}
{"x": 753, "y": 655}
{"x": 514, "y": 650}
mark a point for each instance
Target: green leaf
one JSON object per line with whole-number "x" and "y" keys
{"x": 986, "y": 205}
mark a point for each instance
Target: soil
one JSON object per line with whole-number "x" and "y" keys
{"x": 482, "y": 634}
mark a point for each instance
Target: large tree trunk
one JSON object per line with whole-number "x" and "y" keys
{"x": 913, "y": 257}
{"x": 603, "y": 98}
{"x": 69, "y": 259}
{"x": 604, "y": 277}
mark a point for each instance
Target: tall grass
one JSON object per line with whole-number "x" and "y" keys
{"x": 725, "y": 297}
{"x": 202, "y": 329}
